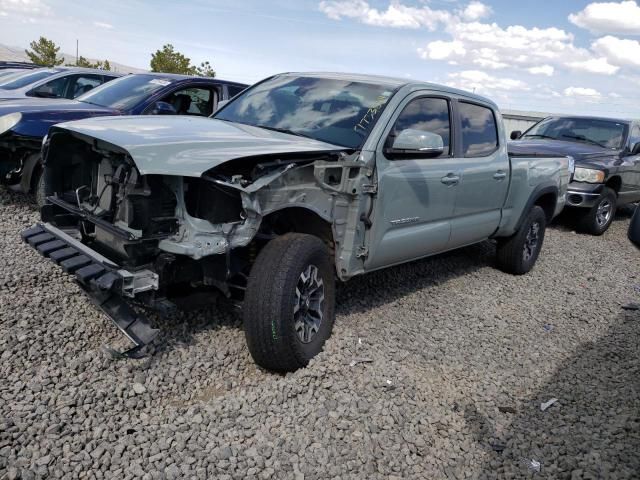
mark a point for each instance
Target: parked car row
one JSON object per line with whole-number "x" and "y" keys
{"x": 24, "y": 123}
{"x": 156, "y": 192}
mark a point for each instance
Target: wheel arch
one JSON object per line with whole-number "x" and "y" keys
{"x": 299, "y": 219}
{"x": 614, "y": 183}
{"x": 544, "y": 197}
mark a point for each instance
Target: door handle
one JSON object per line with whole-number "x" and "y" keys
{"x": 500, "y": 175}
{"x": 451, "y": 179}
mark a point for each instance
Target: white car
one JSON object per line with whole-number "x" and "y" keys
{"x": 57, "y": 82}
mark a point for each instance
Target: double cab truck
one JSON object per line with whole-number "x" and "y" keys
{"x": 606, "y": 152}
{"x": 300, "y": 181}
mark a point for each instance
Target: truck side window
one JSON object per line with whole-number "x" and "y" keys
{"x": 426, "y": 114}
{"x": 479, "y": 130}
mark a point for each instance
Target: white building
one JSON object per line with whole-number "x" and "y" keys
{"x": 520, "y": 120}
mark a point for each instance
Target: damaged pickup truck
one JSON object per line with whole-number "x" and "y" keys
{"x": 300, "y": 180}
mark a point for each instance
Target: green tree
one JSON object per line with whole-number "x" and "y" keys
{"x": 84, "y": 63}
{"x": 169, "y": 60}
{"x": 44, "y": 52}
{"x": 205, "y": 70}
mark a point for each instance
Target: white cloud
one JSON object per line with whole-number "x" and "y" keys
{"x": 107, "y": 26}
{"x": 24, "y": 8}
{"x": 475, "y": 11}
{"x": 396, "y": 15}
{"x": 618, "y": 51}
{"x": 594, "y": 65}
{"x": 542, "y": 70}
{"x": 609, "y": 17}
{"x": 581, "y": 92}
{"x": 482, "y": 82}
{"x": 440, "y": 50}
{"x": 488, "y": 45}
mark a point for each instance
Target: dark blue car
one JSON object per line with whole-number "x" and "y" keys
{"x": 24, "y": 123}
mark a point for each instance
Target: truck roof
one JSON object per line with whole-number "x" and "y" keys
{"x": 393, "y": 82}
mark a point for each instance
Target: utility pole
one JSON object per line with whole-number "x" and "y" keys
{"x": 77, "y": 42}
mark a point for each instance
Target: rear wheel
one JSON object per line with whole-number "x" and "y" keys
{"x": 289, "y": 302}
{"x": 518, "y": 253}
{"x": 598, "y": 218}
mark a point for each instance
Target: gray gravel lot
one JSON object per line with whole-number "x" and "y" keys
{"x": 461, "y": 358}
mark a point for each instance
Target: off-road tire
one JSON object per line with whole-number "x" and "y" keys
{"x": 589, "y": 220}
{"x": 512, "y": 257}
{"x": 270, "y": 298}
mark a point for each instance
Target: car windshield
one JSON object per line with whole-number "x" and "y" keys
{"x": 125, "y": 92}
{"x": 603, "y": 133}
{"x": 24, "y": 79}
{"x": 340, "y": 112}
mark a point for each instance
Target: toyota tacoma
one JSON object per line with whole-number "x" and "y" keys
{"x": 299, "y": 181}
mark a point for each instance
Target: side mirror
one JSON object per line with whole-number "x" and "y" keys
{"x": 516, "y": 134}
{"x": 634, "y": 228}
{"x": 44, "y": 92}
{"x": 412, "y": 143}
{"x": 163, "y": 108}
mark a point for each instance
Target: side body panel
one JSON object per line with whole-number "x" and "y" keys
{"x": 532, "y": 177}
{"x": 412, "y": 211}
{"x": 481, "y": 193}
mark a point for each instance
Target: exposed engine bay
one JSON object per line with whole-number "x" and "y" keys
{"x": 194, "y": 232}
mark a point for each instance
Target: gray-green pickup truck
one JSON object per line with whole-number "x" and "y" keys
{"x": 300, "y": 180}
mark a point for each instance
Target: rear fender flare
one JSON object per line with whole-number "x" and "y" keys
{"x": 537, "y": 193}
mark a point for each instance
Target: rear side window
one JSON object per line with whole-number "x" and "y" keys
{"x": 479, "y": 130}
{"x": 234, "y": 90}
{"x": 83, "y": 84}
{"x": 426, "y": 114}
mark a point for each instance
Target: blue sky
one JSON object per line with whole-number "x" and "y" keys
{"x": 568, "y": 56}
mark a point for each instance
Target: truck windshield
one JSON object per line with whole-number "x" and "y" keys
{"x": 126, "y": 92}
{"x": 602, "y": 133}
{"x": 25, "y": 79}
{"x": 336, "y": 111}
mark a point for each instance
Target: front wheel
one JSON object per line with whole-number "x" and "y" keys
{"x": 598, "y": 218}
{"x": 518, "y": 253}
{"x": 289, "y": 302}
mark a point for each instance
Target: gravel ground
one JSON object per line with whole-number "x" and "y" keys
{"x": 461, "y": 358}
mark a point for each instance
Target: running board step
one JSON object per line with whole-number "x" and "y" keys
{"x": 100, "y": 281}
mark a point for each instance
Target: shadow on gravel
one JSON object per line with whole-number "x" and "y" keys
{"x": 181, "y": 328}
{"x": 368, "y": 292}
{"x": 593, "y": 431}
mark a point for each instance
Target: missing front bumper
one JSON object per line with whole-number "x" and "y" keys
{"x": 101, "y": 279}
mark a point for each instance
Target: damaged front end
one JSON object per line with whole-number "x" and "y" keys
{"x": 156, "y": 240}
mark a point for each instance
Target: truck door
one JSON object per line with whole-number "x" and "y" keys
{"x": 484, "y": 175}
{"x": 415, "y": 199}
{"x": 630, "y": 191}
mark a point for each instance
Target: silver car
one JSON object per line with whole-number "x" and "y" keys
{"x": 59, "y": 82}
